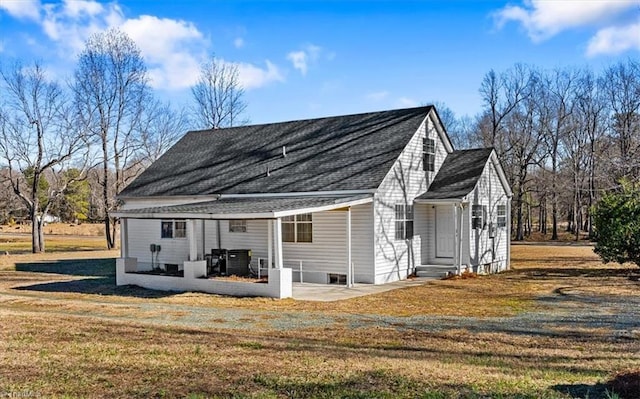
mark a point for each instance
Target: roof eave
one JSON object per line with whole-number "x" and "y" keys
{"x": 132, "y": 214}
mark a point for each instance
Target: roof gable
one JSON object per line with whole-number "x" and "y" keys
{"x": 458, "y": 175}
{"x": 351, "y": 152}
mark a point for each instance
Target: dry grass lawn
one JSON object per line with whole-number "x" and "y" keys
{"x": 112, "y": 342}
{"x": 59, "y": 237}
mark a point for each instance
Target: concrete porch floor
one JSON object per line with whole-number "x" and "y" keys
{"x": 329, "y": 293}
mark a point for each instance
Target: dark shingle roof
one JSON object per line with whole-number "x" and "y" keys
{"x": 246, "y": 206}
{"x": 351, "y": 152}
{"x": 458, "y": 174}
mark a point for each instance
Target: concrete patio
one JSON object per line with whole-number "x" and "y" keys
{"x": 330, "y": 293}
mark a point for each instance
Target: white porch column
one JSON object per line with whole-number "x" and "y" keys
{"x": 455, "y": 238}
{"x": 193, "y": 243}
{"x": 509, "y": 224}
{"x": 461, "y": 233}
{"x": 202, "y": 231}
{"x": 349, "y": 269}
{"x": 278, "y": 238}
{"x": 269, "y": 243}
{"x": 124, "y": 238}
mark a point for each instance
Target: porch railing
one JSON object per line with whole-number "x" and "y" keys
{"x": 298, "y": 266}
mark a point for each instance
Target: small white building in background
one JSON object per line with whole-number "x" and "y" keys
{"x": 367, "y": 198}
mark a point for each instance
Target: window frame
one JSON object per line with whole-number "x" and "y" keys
{"x": 404, "y": 214}
{"x": 182, "y": 230}
{"x": 166, "y": 232}
{"x": 477, "y": 216}
{"x": 173, "y": 231}
{"x": 501, "y": 216}
{"x": 428, "y": 154}
{"x": 295, "y": 222}
{"x": 238, "y": 226}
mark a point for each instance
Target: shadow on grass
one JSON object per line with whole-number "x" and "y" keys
{"x": 73, "y": 267}
{"x": 373, "y": 384}
{"x": 583, "y": 391}
{"x": 560, "y": 272}
{"x": 102, "y": 281}
{"x": 97, "y": 286}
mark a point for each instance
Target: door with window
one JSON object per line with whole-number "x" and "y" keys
{"x": 444, "y": 231}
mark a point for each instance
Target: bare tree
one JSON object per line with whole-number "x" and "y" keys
{"x": 501, "y": 95}
{"x": 162, "y": 128}
{"x": 37, "y": 137}
{"x": 510, "y": 124}
{"x": 591, "y": 113}
{"x": 218, "y": 96}
{"x": 459, "y": 129}
{"x": 622, "y": 90}
{"x": 111, "y": 91}
{"x": 10, "y": 205}
{"x": 557, "y": 101}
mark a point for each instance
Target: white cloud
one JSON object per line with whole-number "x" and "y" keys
{"x": 77, "y": 8}
{"x": 253, "y": 77}
{"x": 543, "y": 19}
{"x": 70, "y": 24}
{"x": 22, "y": 9}
{"x": 238, "y": 42}
{"x": 303, "y": 58}
{"x": 173, "y": 49}
{"x": 169, "y": 47}
{"x": 615, "y": 40}
{"x": 299, "y": 60}
{"x": 377, "y": 95}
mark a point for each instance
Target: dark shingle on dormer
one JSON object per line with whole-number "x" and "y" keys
{"x": 458, "y": 174}
{"x": 351, "y": 152}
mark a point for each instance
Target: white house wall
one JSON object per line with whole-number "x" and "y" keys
{"x": 362, "y": 243}
{"x": 488, "y": 254}
{"x": 326, "y": 254}
{"x": 144, "y": 232}
{"x": 395, "y": 259}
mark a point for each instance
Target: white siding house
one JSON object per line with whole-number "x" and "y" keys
{"x": 367, "y": 198}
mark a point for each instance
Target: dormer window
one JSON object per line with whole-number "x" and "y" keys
{"x": 429, "y": 155}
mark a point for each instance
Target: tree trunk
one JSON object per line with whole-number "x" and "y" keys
{"x": 529, "y": 219}
{"x": 36, "y": 239}
{"x": 544, "y": 217}
{"x": 592, "y": 188}
{"x": 519, "y": 232}
{"x": 41, "y": 233}
{"x": 576, "y": 221}
{"x": 105, "y": 192}
{"x": 114, "y": 233}
{"x": 554, "y": 206}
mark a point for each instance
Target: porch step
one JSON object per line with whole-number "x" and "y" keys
{"x": 435, "y": 271}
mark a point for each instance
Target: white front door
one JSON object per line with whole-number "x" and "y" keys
{"x": 444, "y": 231}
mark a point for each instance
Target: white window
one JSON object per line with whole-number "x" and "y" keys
{"x": 335, "y": 278}
{"x": 404, "y": 222}
{"x": 478, "y": 213}
{"x": 429, "y": 155}
{"x": 238, "y": 226}
{"x": 173, "y": 229}
{"x": 502, "y": 216}
{"x": 297, "y": 228}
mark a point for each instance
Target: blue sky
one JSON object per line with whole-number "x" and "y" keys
{"x": 304, "y": 59}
